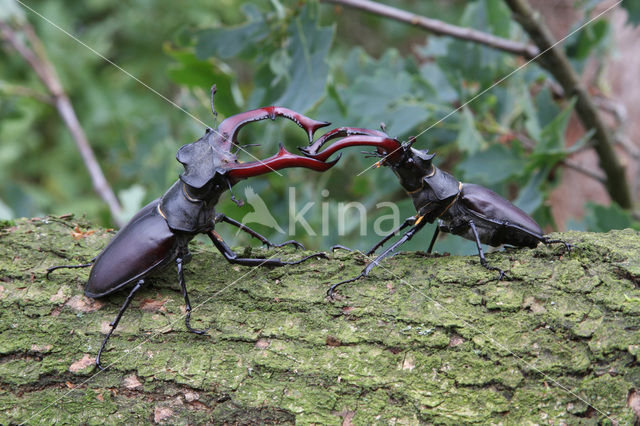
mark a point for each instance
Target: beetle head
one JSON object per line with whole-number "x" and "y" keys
{"x": 204, "y": 159}
{"x": 409, "y": 164}
{"x": 412, "y": 166}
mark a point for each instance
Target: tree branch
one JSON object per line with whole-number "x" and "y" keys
{"x": 37, "y": 59}
{"x": 557, "y": 63}
{"x": 554, "y": 60}
{"x": 442, "y": 28}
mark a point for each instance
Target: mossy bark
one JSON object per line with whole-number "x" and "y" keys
{"x": 423, "y": 340}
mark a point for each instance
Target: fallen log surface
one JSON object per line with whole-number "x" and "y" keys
{"x": 425, "y": 339}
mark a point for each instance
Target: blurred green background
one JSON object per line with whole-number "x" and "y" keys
{"x": 333, "y": 64}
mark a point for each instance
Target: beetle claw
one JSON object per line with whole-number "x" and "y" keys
{"x": 332, "y": 289}
{"x": 567, "y": 245}
{"x": 340, "y": 247}
{"x": 200, "y": 332}
{"x": 191, "y": 329}
{"x": 294, "y": 243}
{"x": 502, "y": 275}
{"x": 319, "y": 254}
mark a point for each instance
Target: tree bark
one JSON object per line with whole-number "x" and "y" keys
{"x": 422, "y": 340}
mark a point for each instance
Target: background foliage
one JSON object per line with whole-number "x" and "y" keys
{"x": 308, "y": 57}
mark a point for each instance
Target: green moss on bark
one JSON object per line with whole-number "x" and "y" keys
{"x": 424, "y": 339}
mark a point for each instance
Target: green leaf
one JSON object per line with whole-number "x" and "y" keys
{"x": 498, "y": 17}
{"x": 131, "y": 200}
{"x": 633, "y": 9}
{"x": 530, "y": 197}
{"x": 404, "y": 118}
{"x": 279, "y": 63}
{"x": 469, "y": 139}
{"x": 605, "y": 218}
{"x": 307, "y": 68}
{"x": 225, "y": 43}
{"x": 386, "y": 97}
{"x": 437, "y": 80}
{"x": 470, "y": 62}
{"x": 552, "y": 141}
{"x": 5, "y": 212}
{"x": 589, "y": 39}
{"x": 531, "y": 120}
{"x": 193, "y": 72}
{"x": 546, "y": 108}
{"x": 492, "y": 165}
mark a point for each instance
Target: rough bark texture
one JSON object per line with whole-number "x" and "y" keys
{"x": 423, "y": 340}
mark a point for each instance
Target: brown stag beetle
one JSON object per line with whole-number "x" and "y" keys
{"x": 465, "y": 209}
{"x": 159, "y": 234}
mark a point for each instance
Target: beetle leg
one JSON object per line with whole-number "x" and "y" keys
{"x": 232, "y": 256}
{"x": 332, "y": 289}
{"x": 239, "y": 203}
{"x": 433, "y": 239}
{"x": 408, "y": 221}
{"x": 115, "y": 322}
{"x": 183, "y": 286}
{"x": 365, "y": 272}
{"x": 483, "y": 261}
{"x": 84, "y": 265}
{"x": 547, "y": 241}
{"x": 221, "y": 217}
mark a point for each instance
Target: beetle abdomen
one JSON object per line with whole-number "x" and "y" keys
{"x": 144, "y": 244}
{"x": 515, "y": 227}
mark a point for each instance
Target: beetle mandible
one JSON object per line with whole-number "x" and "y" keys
{"x": 160, "y": 232}
{"x": 465, "y": 209}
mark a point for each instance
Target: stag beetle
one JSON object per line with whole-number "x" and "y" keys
{"x": 465, "y": 209}
{"x": 159, "y": 233}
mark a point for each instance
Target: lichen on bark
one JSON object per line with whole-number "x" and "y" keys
{"x": 422, "y": 340}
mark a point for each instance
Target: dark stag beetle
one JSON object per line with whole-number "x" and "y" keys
{"x": 465, "y": 209}
{"x": 159, "y": 233}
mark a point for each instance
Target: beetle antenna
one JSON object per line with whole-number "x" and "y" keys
{"x": 369, "y": 154}
{"x": 239, "y": 203}
{"x": 410, "y": 142}
{"x": 214, "y": 89}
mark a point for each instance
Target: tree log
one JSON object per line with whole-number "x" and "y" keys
{"x": 424, "y": 339}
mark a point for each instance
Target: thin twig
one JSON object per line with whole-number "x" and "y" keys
{"x": 442, "y": 28}
{"x": 37, "y": 59}
{"x": 585, "y": 171}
